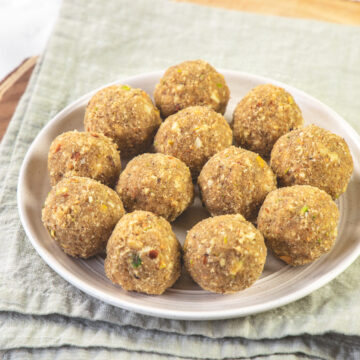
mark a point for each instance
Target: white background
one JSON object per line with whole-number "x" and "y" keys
{"x": 25, "y": 26}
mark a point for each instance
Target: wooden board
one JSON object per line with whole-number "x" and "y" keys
{"x": 11, "y": 90}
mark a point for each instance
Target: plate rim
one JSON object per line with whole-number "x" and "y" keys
{"x": 180, "y": 314}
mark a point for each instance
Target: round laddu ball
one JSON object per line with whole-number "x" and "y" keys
{"x": 193, "y": 135}
{"x": 84, "y": 154}
{"x": 299, "y": 223}
{"x": 80, "y": 214}
{"x": 224, "y": 254}
{"x": 235, "y": 181}
{"x": 266, "y": 113}
{"x": 158, "y": 183}
{"x": 143, "y": 254}
{"x": 191, "y": 83}
{"x": 313, "y": 156}
{"x": 124, "y": 114}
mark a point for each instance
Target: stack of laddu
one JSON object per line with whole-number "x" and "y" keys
{"x": 182, "y": 140}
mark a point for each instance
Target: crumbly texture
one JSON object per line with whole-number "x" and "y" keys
{"x": 158, "y": 183}
{"x": 84, "y": 154}
{"x": 235, "y": 181}
{"x": 193, "y": 135}
{"x": 143, "y": 254}
{"x": 191, "y": 83}
{"x": 124, "y": 114}
{"x": 224, "y": 254}
{"x": 262, "y": 116}
{"x": 80, "y": 214}
{"x": 313, "y": 156}
{"x": 299, "y": 223}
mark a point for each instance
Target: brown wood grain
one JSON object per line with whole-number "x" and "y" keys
{"x": 337, "y": 11}
{"x": 11, "y": 90}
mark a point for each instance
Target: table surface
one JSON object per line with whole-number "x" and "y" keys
{"x": 337, "y": 11}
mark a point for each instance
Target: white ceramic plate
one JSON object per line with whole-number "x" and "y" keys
{"x": 279, "y": 284}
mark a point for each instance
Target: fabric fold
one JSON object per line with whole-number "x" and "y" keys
{"x": 56, "y": 332}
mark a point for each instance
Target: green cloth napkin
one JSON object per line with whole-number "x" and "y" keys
{"x": 95, "y": 42}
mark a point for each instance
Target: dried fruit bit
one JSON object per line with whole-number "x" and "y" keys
{"x": 179, "y": 71}
{"x": 153, "y": 254}
{"x": 58, "y": 147}
{"x": 136, "y": 261}
{"x": 75, "y": 155}
{"x": 205, "y": 259}
{"x": 219, "y": 85}
{"x": 291, "y": 100}
{"x": 286, "y": 171}
{"x": 103, "y": 207}
{"x": 285, "y": 258}
{"x": 125, "y": 87}
{"x": 95, "y": 135}
{"x": 171, "y": 142}
{"x": 260, "y": 161}
{"x": 304, "y": 210}
{"x": 162, "y": 265}
{"x": 225, "y": 240}
{"x": 147, "y": 228}
{"x": 52, "y": 233}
